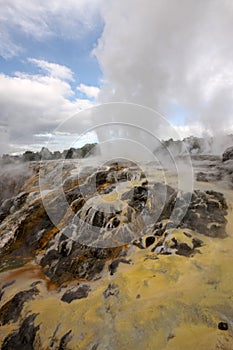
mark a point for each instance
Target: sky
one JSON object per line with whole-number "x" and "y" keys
{"x": 58, "y": 58}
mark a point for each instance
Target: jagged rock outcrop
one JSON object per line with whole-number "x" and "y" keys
{"x": 227, "y": 154}
{"x": 110, "y": 208}
{"x": 44, "y": 154}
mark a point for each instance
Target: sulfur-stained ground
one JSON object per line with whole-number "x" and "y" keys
{"x": 150, "y": 301}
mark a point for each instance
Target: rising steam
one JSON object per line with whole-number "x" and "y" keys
{"x": 173, "y": 56}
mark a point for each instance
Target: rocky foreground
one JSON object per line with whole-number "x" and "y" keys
{"x": 111, "y": 258}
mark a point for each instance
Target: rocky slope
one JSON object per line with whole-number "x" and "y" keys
{"x": 104, "y": 257}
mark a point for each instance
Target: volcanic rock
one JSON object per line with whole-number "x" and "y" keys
{"x": 24, "y": 337}
{"x": 111, "y": 291}
{"x": 115, "y": 263}
{"x": 227, "y": 154}
{"x": 76, "y": 293}
{"x": 165, "y": 238}
{"x": 13, "y": 308}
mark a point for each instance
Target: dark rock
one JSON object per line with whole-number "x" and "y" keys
{"x": 11, "y": 310}
{"x": 65, "y": 247}
{"x": 170, "y": 336}
{"x": 169, "y": 244}
{"x": 22, "y": 339}
{"x": 114, "y": 265}
{"x": 54, "y": 336}
{"x": 74, "y": 261}
{"x": 206, "y": 214}
{"x": 33, "y": 284}
{"x": 72, "y": 153}
{"x": 8, "y": 284}
{"x": 227, "y": 154}
{"x": 187, "y": 234}
{"x": 112, "y": 290}
{"x": 136, "y": 197}
{"x": 65, "y": 340}
{"x": 5, "y": 285}
{"x": 73, "y": 266}
{"x": 95, "y": 347}
{"x": 100, "y": 178}
{"x": 79, "y": 293}
{"x": 49, "y": 257}
{"x": 159, "y": 229}
{"x": 29, "y": 156}
{"x": 19, "y": 200}
{"x": 139, "y": 198}
{"x": 99, "y": 219}
{"x": 164, "y": 198}
{"x": 209, "y": 176}
{"x": 183, "y": 249}
{"x": 223, "y": 326}
{"x": 139, "y": 243}
{"x": 149, "y": 241}
{"x": 197, "y": 242}
{"x": 5, "y": 208}
{"x": 202, "y": 177}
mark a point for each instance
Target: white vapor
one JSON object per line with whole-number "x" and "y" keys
{"x": 169, "y": 55}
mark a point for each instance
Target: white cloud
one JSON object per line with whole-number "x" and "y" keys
{"x": 8, "y": 48}
{"x": 43, "y": 19}
{"x": 53, "y": 69}
{"x": 89, "y": 91}
{"x": 34, "y": 104}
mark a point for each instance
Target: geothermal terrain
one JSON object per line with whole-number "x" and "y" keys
{"x": 114, "y": 255}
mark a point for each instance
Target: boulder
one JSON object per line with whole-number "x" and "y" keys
{"x": 227, "y": 154}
